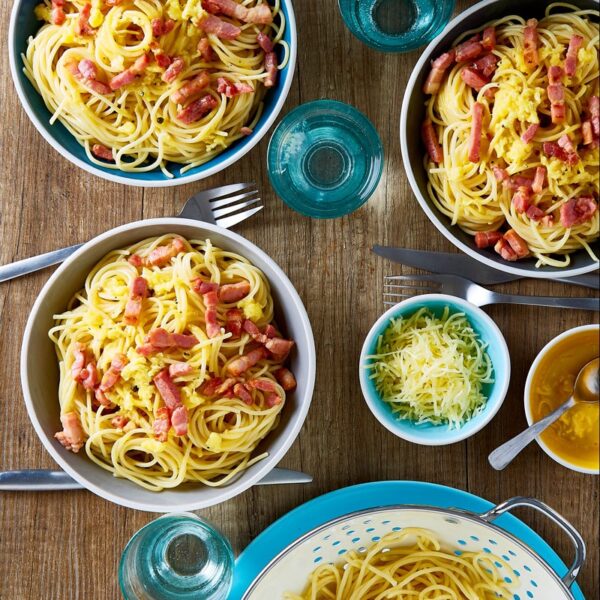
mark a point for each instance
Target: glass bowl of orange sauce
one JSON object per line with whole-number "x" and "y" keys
{"x": 573, "y": 440}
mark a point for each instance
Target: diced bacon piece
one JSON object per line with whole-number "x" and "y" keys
{"x": 225, "y": 386}
{"x": 564, "y": 141}
{"x": 517, "y": 243}
{"x": 218, "y": 27}
{"x": 161, "y": 58}
{"x": 538, "y": 181}
{"x": 100, "y": 151}
{"x": 279, "y": 346}
{"x": 535, "y": 213}
{"x": 173, "y": 71}
{"x": 271, "y": 332}
{"x": 102, "y": 399}
{"x": 197, "y": 109}
{"x": 160, "y": 338}
{"x": 431, "y": 143}
{"x": 243, "y": 394}
{"x": 485, "y": 239}
{"x": 504, "y": 249}
{"x": 119, "y": 421}
{"x": 209, "y": 292}
{"x": 587, "y": 132}
{"x": 243, "y": 363}
{"x": 468, "y": 50}
{"x": 209, "y": 388}
{"x": 548, "y": 221}
{"x": 131, "y": 74}
{"x": 234, "y": 319}
{"x": 488, "y": 38}
{"x": 58, "y": 16}
{"x": 273, "y": 400}
{"x": 88, "y": 69}
{"x": 271, "y": 69}
{"x": 556, "y": 94}
{"x": 246, "y": 131}
{"x": 162, "y": 26}
{"x": 476, "y": 130}
{"x": 264, "y": 385}
{"x": 575, "y": 43}
{"x": 439, "y": 66}
{"x": 180, "y": 369}
{"x": 286, "y": 379}
{"x": 79, "y": 361}
{"x": 234, "y": 292}
{"x": 260, "y": 15}
{"x": 530, "y": 42}
{"x": 594, "y": 111}
{"x": 191, "y": 87}
{"x": 522, "y": 199}
{"x": 162, "y": 424}
{"x": 71, "y": 437}
{"x": 530, "y": 132}
{"x": 89, "y": 376}
{"x": 231, "y": 90}
{"x": 167, "y": 389}
{"x": 113, "y": 373}
{"x": 255, "y": 333}
{"x": 206, "y": 51}
{"x": 82, "y": 27}
{"x": 552, "y": 149}
{"x": 577, "y": 211}
{"x": 473, "y": 78}
{"x": 179, "y": 420}
{"x": 555, "y": 74}
{"x": 163, "y": 254}
{"x": 518, "y": 181}
{"x": 500, "y": 174}
{"x": 264, "y": 41}
{"x": 136, "y": 260}
{"x": 99, "y": 87}
{"x": 139, "y": 287}
{"x": 137, "y": 293}
{"x": 486, "y": 65}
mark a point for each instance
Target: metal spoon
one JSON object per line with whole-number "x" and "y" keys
{"x": 587, "y": 389}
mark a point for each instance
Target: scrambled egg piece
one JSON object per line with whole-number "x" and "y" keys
{"x": 152, "y": 446}
{"x": 252, "y": 309}
{"x": 214, "y": 442}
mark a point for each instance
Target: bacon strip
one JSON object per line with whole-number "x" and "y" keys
{"x": 206, "y": 51}
{"x": 285, "y": 378}
{"x": 82, "y": 27}
{"x": 251, "y": 328}
{"x": 522, "y": 199}
{"x": 89, "y": 376}
{"x": 279, "y": 347}
{"x": 264, "y": 41}
{"x": 209, "y": 388}
{"x": 160, "y": 339}
{"x": 131, "y": 74}
{"x": 162, "y": 26}
{"x": 218, "y": 27}
{"x": 577, "y": 211}
{"x": 197, "y": 109}
{"x": 587, "y": 132}
{"x": 500, "y": 174}
{"x": 173, "y": 70}
{"x": 79, "y": 361}
{"x": 87, "y": 71}
{"x": 271, "y": 69}
{"x": 530, "y": 132}
{"x": 100, "y": 151}
{"x": 180, "y": 369}
{"x": 137, "y": 293}
{"x": 488, "y": 39}
{"x": 517, "y": 243}
{"x": 530, "y": 52}
{"x": 556, "y": 94}
{"x": 58, "y": 16}
{"x": 476, "y": 130}
{"x": 485, "y": 239}
{"x": 71, "y": 437}
{"x": 243, "y": 363}
{"x": 162, "y": 424}
{"x": 191, "y": 88}
{"x": 179, "y": 420}
{"x": 163, "y": 254}
{"x": 538, "y": 181}
{"x": 535, "y": 213}
{"x": 486, "y": 65}
{"x": 469, "y": 50}
{"x": 431, "y": 143}
{"x": 167, "y": 389}
{"x": 552, "y": 149}
{"x": 575, "y": 43}
{"x": 234, "y": 292}
{"x": 209, "y": 292}
{"x": 260, "y": 14}
{"x": 224, "y": 86}
{"x": 243, "y": 394}
{"x": 594, "y": 111}
{"x": 234, "y": 319}
{"x": 438, "y": 67}
{"x": 113, "y": 373}
{"x": 473, "y": 78}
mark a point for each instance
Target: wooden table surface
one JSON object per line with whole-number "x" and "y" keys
{"x": 66, "y": 545}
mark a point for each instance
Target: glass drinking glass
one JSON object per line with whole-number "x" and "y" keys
{"x": 177, "y": 557}
{"x": 325, "y": 159}
{"x": 396, "y": 25}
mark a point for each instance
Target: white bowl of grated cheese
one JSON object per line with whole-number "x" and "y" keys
{"x": 434, "y": 369}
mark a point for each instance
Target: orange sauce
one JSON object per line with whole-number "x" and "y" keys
{"x": 575, "y": 436}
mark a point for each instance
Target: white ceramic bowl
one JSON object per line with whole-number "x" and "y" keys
{"x": 23, "y": 24}
{"x": 439, "y": 435}
{"x": 529, "y": 416}
{"x": 39, "y": 368}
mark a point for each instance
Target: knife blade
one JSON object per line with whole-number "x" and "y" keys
{"x": 40, "y": 480}
{"x": 465, "y": 266}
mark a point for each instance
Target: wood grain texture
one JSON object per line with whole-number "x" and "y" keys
{"x": 66, "y": 546}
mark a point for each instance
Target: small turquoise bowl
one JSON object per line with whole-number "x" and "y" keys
{"x": 439, "y": 435}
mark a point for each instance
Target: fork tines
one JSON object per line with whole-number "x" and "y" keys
{"x": 406, "y": 286}
{"x": 234, "y": 203}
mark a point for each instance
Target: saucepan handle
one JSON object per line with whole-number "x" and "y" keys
{"x": 557, "y": 518}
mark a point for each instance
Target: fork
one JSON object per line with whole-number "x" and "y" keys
{"x": 225, "y": 206}
{"x": 407, "y": 286}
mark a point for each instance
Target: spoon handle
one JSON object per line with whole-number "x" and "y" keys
{"x": 502, "y": 456}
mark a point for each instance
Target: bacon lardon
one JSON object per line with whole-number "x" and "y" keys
{"x": 242, "y": 393}
{"x": 286, "y": 379}
{"x": 230, "y": 89}
{"x": 191, "y": 88}
{"x": 488, "y": 38}
{"x": 577, "y": 211}
{"x": 575, "y": 43}
{"x": 469, "y": 50}
{"x": 530, "y": 132}
{"x": 234, "y": 319}
{"x": 476, "y": 131}
{"x": 211, "y": 300}
{"x": 197, "y": 109}
{"x": 517, "y": 243}
{"x": 206, "y": 50}
{"x": 264, "y": 41}
{"x": 271, "y": 69}
{"x": 485, "y": 239}
{"x": 522, "y": 199}
{"x": 82, "y": 27}
{"x": 218, "y": 27}
{"x": 113, "y": 374}
{"x": 240, "y": 365}
{"x": 474, "y": 78}
{"x": 162, "y": 424}
{"x": 57, "y": 14}
{"x": 431, "y": 143}
{"x": 538, "y": 181}
{"x": 162, "y": 26}
{"x": 556, "y": 94}
{"x": 162, "y": 255}
{"x": 486, "y": 65}
{"x": 131, "y": 74}
{"x": 72, "y": 436}
{"x": 530, "y": 44}
{"x": 535, "y": 213}
{"x": 260, "y": 14}
{"x": 439, "y": 66}
{"x": 137, "y": 293}
{"x": 102, "y": 152}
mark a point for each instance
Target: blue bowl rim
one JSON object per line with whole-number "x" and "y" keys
{"x": 378, "y": 159}
{"x": 435, "y": 216}
{"x": 121, "y": 176}
{"x": 499, "y": 390}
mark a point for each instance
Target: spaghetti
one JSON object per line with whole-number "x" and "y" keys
{"x": 512, "y": 132}
{"x": 408, "y": 564}
{"x": 171, "y": 370}
{"x": 141, "y": 83}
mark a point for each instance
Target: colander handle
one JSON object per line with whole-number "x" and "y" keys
{"x": 573, "y": 534}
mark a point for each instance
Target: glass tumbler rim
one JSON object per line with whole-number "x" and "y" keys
{"x": 381, "y": 44}
{"x": 339, "y": 109}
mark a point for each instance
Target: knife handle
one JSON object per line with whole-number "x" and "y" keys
{"x": 590, "y": 281}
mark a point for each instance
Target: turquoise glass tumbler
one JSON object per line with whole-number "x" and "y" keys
{"x": 396, "y": 25}
{"x": 325, "y": 159}
{"x": 177, "y": 557}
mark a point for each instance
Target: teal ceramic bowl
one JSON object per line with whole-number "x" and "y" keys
{"x": 439, "y": 435}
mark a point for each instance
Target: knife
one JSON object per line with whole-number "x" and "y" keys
{"x": 465, "y": 266}
{"x": 42, "y": 480}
